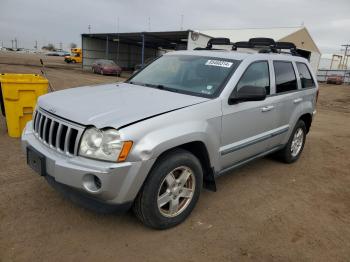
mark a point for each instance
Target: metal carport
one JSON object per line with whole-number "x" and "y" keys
{"x": 129, "y": 49}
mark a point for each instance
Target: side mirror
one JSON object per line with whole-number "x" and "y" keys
{"x": 248, "y": 93}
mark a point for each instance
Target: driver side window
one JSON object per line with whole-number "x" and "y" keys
{"x": 257, "y": 74}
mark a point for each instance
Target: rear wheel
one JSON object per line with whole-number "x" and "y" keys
{"x": 292, "y": 151}
{"x": 171, "y": 190}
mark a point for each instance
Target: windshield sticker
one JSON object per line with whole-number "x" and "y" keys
{"x": 219, "y": 63}
{"x": 209, "y": 87}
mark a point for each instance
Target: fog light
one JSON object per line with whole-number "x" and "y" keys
{"x": 92, "y": 183}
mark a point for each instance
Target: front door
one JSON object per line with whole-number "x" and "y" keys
{"x": 248, "y": 128}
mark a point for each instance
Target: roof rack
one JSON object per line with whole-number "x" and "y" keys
{"x": 215, "y": 41}
{"x": 268, "y": 45}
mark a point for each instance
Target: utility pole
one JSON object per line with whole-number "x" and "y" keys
{"x": 118, "y": 39}
{"x": 149, "y": 24}
{"x": 89, "y": 28}
{"x": 61, "y": 45}
{"x": 36, "y": 45}
{"x": 12, "y": 43}
{"x": 345, "y": 55}
{"x": 16, "y": 43}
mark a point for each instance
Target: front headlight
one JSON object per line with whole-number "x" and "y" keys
{"x": 104, "y": 145}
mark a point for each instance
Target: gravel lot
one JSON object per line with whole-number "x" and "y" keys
{"x": 265, "y": 211}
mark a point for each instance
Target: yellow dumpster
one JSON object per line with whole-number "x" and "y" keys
{"x": 18, "y": 97}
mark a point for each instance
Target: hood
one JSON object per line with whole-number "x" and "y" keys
{"x": 113, "y": 105}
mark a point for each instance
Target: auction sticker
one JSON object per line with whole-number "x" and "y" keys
{"x": 219, "y": 63}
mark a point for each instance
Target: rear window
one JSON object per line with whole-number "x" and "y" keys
{"x": 305, "y": 76}
{"x": 285, "y": 76}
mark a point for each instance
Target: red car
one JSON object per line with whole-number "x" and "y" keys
{"x": 335, "y": 79}
{"x": 106, "y": 67}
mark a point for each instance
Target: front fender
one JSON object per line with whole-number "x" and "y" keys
{"x": 153, "y": 144}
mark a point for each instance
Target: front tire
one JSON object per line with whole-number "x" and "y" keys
{"x": 292, "y": 151}
{"x": 171, "y": 190}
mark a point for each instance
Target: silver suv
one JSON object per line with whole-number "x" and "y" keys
{"x": 154, "y": 141}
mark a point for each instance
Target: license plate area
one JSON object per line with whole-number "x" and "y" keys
{"x": 36, "y": 161}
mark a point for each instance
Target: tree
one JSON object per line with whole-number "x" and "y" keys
{"x": 73, "y": 45}
{"x": 49, "y": 47}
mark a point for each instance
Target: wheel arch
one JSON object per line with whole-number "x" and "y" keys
{"x": 307, "y": 118}
{"x": 199, "y": 150}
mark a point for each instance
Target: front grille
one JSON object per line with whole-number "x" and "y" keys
{"x": 57, "y": 133}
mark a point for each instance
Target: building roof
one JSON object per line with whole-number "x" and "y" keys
{"x": 165, "y": 39}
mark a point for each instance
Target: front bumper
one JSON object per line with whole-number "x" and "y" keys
{"x": 120, "y": 182}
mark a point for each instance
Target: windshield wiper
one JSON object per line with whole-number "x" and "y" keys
{"x": 158, "y": 86}
{"x": 135, "y": 83}
{"x": 162, "y": 87}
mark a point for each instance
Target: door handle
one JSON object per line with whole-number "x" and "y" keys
{"x": 297, "y": 100}
{"x": 267, "y": 108}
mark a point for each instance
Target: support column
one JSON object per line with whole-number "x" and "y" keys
{"x": 143, "y": 50}
{"x": 107, "y": 47}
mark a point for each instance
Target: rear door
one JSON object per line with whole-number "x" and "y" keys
{"x": 247, "y": 127}
{"x": 287, "y": 95}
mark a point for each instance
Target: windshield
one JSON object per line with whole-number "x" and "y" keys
{"x": 107, "y": 62}
{"x": 190, "y": 74}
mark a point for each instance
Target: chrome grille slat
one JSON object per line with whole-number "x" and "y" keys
{"x": 42, "y": 119}
{"x": 51, "y": 131}
{"x": 44, "y": 129}
{"x": 34, "y": 119}
{"x": 66, "y": 141}
{"x": 57, "y": 133}
{"x": 58, "y": 136}
{"x": 76, "y": 146}
{"x": 37, "y": 121}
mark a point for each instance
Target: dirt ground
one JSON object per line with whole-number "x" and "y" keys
{"x": 265, "y": 211}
